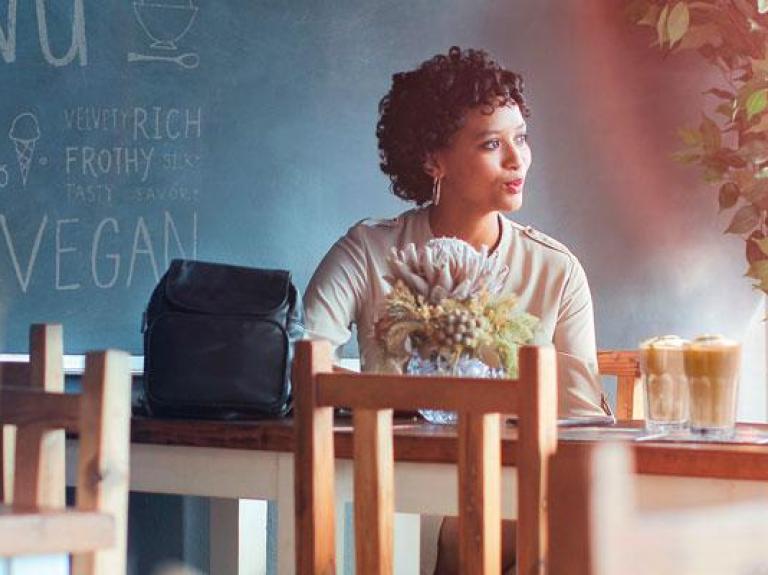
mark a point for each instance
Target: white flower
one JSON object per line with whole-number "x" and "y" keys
{"x": 447, "y": 268}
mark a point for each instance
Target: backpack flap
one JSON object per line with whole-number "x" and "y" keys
{"x": 223, "y": 289}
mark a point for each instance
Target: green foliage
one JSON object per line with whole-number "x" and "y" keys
{"x": 731, "y": 146}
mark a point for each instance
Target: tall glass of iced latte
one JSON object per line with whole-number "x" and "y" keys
{"x": 712, "y": 367}
{"x": 665, "y": 386}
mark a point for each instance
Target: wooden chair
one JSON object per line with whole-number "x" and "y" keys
{"x": 625, "y": 366}
{"x": 44, "y": 371}
{"x": 595, "y": 528}
{"x": 95, "y": 530}
{"x": 372, "y": 398}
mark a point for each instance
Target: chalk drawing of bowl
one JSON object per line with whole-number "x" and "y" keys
{"x": 165, "y": 24}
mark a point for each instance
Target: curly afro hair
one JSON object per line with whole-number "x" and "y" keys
{"x": 425, "y": 107}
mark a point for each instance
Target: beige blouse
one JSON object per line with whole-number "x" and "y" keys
{"x": 349, "y": 287}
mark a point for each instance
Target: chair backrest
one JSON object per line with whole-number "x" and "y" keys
{"x": 101, "y": 417}
{"x": 44, "y": 372}
{"x": 625, "y": 366}
{"x": 373, "y": 397}
{"x": 595, "y": 528}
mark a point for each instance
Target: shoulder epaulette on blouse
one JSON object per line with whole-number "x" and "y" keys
{"x": 379, "y": 222}
{"x": 541, "y": 238}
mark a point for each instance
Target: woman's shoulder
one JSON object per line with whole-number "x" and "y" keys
{"x": 536, "y": 242}
{"x": 383, "y": 231}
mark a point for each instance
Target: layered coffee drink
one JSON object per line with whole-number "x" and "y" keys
{"x": 712, "y": 367}
{"x": 664, "y": 383}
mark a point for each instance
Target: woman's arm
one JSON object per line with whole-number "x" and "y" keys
{"x": 335, "y": 292}
{"x": 581, "y": 393}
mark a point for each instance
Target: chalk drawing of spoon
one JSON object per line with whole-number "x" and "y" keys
{"x": 187, "y": 60}
{"x": 3, "y": 176}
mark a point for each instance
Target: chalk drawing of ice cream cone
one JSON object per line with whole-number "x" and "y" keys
{"x": 24, "y": 133}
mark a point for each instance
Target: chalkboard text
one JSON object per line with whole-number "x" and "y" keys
{"x": 112, "y": 251}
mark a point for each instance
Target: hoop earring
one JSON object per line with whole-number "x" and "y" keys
{"x": 436, "y": 190}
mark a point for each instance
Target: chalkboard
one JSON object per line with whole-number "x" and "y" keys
{"x": 136, "y": 131}
{"x": 243, "y": 131}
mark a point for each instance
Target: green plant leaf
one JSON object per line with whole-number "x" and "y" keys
{"x": 725, "y": 110}
{"x": 662, "y": 33}
{"x": 744, "y": 220}
{"x": 713, "y": 175}
{"x": 643, "y": 13}
{"x": 730, "y": 158}
{"x": 749, "y": 87}
{"x": 728, "y": 196}
{"x": 756, "y": 194}
{"x": 686, "y": 157}
{"x": 756, "y": 103}
{"x": 754, "y": 148}
{"x": 763, "y": 245}
{"x": 724, "y": 94}
{"x": 761, "y": 126}
{"x": 759, "y": 271}
{"x": 699, "y": 36}
{"x": 677, "y": 22}
{"x": 762, "y": 6}
{"x": 759, "y": 67}
{"x": 710, "y": 134}
{"x": 706, "y": 6}
{"x": 690, "y": 136}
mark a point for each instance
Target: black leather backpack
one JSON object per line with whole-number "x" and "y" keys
{"x": 218, "y": 342}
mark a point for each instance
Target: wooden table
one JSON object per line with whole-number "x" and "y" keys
{"x": 253, "y": 460}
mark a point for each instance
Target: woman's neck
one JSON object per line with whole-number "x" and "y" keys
{"x": 476, "y": 230}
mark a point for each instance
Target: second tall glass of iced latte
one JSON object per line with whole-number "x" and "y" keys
{"x": 712, "y": 368}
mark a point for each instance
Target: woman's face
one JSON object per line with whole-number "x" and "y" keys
{"x": 484, "y": 165}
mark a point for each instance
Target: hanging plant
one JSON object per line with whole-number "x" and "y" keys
{"x": 730, "y": 145}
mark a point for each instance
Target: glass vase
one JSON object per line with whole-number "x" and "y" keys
{"x": 438, "y": 366}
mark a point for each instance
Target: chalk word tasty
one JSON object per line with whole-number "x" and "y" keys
{"x": 112, "y": 251}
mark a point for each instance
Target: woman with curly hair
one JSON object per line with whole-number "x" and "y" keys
{"x": 453, "y": 140}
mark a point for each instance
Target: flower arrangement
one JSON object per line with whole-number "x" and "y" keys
{"x": 445, "y": 303}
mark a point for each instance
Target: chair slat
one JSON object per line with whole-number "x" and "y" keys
{"x": 569, "y": 490}
{"x": 313, "y": 456}
{"x": 536, "y": 443}
{"x": 625, "y": 366}
{"x": 479, "y": 493}
{"x": 378, "y": 391}
{"x": 15, "y": 373}
{"x": 27, "y": 407}
{"x": 32, "y": 530}
{"x": 12, "y": 373}
{"x": 46, "y": 357}
{"x": 619, "y": 362}
{"x": 374, "y": 491}
{"x": 31, "y": 487}
{"x": 103, "y": 455}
